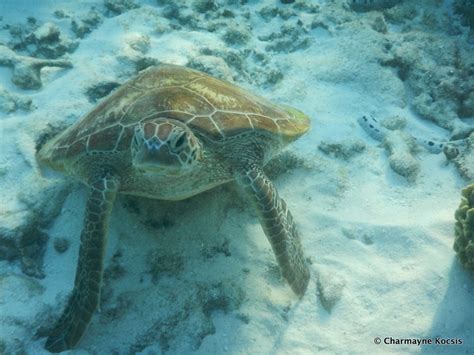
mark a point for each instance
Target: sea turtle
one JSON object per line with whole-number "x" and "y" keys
{"x": 171, "y": 133}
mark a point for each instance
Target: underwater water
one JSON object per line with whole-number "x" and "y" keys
{"x": 359, "y": 115}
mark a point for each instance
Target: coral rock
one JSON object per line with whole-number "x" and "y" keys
{"x": 330, "y": 288}
{"x": 464, "y": 228}
{"x": 464, "y": 159}
{"x": 10, "y": 102}
{"x": 117, "y": 7}
{"x": 372, "y": 5}
{"x": 26, "y": 70}
{"x": 400, "y": 147}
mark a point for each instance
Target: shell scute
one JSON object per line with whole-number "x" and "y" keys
{"x": 104, "y": 140}
{"x": 209, "y": 106}
{"x": 232, "y": 123}
{"x": 294, "y": 124}
{"x": 105, "y": 114}
{"x": 77, "y": 148}
{"x": 263, "y": 122}
{"x": 165, "y": 76}
{"x": 166, "y": 99}
{"x": 177, "y": 115}
{"x": 222, "y": 95}
{"x": 205, "y": 124}
{"x": 124, "y": 139}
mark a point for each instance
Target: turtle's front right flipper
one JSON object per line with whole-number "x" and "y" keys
{"x": 86, "y": 294}
{"x": 278, "y": 225}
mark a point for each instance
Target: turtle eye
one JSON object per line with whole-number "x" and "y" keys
{"x": 180, "y": 141}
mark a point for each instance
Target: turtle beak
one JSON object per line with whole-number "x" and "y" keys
{"x": 156, "y": 156}
{"x": 159, "y": 152}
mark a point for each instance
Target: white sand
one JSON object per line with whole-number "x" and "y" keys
{"x": 386, "y": 243}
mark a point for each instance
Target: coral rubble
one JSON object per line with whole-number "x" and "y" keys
{"x": 464, "y": 228}
{"x": 27, "y": 70}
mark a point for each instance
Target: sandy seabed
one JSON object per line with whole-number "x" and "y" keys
{"x": 375, "y": 212}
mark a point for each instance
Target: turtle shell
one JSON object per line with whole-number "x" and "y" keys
{"x": 211, "y": 107}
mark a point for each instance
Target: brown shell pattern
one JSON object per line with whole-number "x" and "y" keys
{"x": 213, "y": 107}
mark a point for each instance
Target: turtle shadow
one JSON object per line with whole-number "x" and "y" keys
{"x": 203, "y": 263}
{"x": 173, "y": 265}
{"x": 453, "y": 321}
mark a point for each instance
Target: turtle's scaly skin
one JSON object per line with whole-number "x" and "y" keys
{"x": 86, "y": 295}
{"x": 278, "y": 225}
{"x": 171, "y": 133}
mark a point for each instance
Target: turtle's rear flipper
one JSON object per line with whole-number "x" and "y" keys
{"x": 278, "y": 225}
{"x": 86, "y": 294}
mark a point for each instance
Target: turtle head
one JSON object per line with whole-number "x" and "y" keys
{"x": 165, "y": 146}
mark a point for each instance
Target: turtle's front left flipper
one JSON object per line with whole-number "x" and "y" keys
{"x": 278, "y": 225}
{"x": 86, "y": 294}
